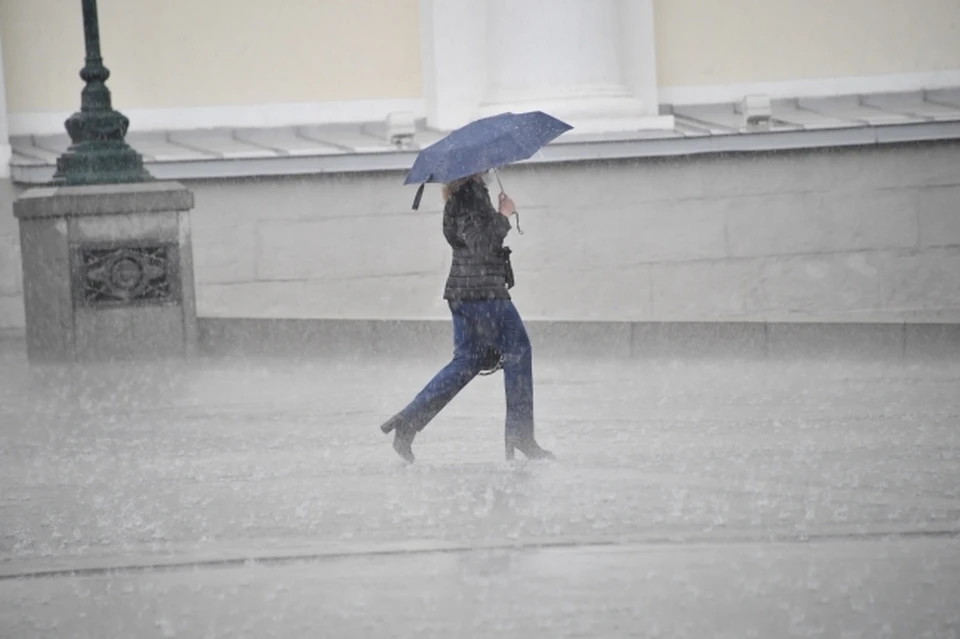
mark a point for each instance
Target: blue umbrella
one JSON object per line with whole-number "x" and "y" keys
{"x": 483, "y": 145}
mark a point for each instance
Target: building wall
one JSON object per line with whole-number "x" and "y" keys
{"x": 705, "y": 43}
{"x": 859, "y": 235}
{"x": 189, "y": 54}
{"x": 250, "y": 61}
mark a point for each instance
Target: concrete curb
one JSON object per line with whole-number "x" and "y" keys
{"x": 617, "y": 340}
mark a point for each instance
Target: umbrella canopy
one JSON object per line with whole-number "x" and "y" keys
{"x": 483, "y": 145}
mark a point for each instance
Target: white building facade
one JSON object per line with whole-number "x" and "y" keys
{"x": 608, "y": 64}
{"x": 663, "y": 205}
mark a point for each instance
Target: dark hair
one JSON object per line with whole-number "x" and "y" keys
{"x": 452, "y": 187}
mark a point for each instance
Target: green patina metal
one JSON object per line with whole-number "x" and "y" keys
{"x": 98, "y": 153}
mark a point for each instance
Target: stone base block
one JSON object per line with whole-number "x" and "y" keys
{"x": 107, "y": 271}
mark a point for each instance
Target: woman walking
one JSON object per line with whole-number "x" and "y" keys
{"x": 485, "y": 321}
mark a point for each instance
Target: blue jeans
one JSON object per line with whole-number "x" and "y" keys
{"x": 476, "y": 326}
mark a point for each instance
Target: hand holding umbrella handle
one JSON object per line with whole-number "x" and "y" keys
{"x": 506, "y": 202}
{"x": 503, "y": 195}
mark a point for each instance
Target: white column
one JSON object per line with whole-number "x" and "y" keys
{"x": 638, "y": 53}
{"x": 454, "y": 60}
{"x": 552, "y": 49}
{"x": 589, "y": 62}
{"x": 5, "y": 150}
{"x": 576, "y": 59}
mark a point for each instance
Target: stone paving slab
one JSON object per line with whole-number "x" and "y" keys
{"x": 717, "y": 497}
{"x": 834, "y": 589}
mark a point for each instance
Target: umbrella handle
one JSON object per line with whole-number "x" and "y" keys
{"x": 496, "y": 172}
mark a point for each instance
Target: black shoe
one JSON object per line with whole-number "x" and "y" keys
{"x": 402, "y": 442}
{"x": 390, "y": 424}
{"x": 402, "y": 437}
{"x": 530, "y": 448}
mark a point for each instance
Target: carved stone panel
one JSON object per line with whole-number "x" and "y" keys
{"x": 126, "y": 275}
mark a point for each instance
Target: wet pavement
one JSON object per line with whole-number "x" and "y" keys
{"x": 258, "y": 498}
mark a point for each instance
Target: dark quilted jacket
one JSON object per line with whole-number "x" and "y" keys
{"x": 476, "y": 230}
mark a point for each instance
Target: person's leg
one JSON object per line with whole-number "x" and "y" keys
{"x": 445, "y": 385}
{"x": 451, "y": 379}
{"x": 514, "y": 343}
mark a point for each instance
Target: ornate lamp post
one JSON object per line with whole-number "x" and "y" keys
{"x": 105, "y": 249}
{"x": 99, "y": 154}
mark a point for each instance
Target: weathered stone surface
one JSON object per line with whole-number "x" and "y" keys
{"x": 11, "y": 312}
{"x": 927, "y": 343}
{"x": 869, "y": 220}
{"x": 354, "y": 338}
{"x": 707, "y": 290}
{"x": 225, "y": 253}
{"x": 668, "y": 340}
{"x": 352, "y": 247}
{"x": 136, "y": 299}
{"x": 286, "y": 337}
{"x": 188, "y": 285}
{"x": 46, "y": 287}
{"x": 598, "y": 186}
{"x": 813, "y": 218}
{"x": 807, "y": 223}
{"x": 161, "y": 227}
{"x": 553, "y": 238}
{"x": 103, "y": 199}
{"x": 128, "y": 333}
{"x": 8, "y": 193}
{"x": 11, "y": 282}
{"x": 402, "y": 297}
{"x": 850, "y": 170}
{"x": 900, "y": 166}
{"x": 811, "y": 285}
{"x": 787, "y": 340}
{"x": 834, "y": 341}
{"x": 308, "y": 197}
{"x": 771, "y": 224}
{"x": 939, "y": 212}
{"x": 581, "y": 339}
{"x": 736, "y": 175}
{"x": 653, "y": 232}
{"x": 607, "y": 294}
{"x": 922, "y": 280}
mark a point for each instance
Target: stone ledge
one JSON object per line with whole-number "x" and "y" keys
{"x": 103, "y": 199}
{"x": 606, "y": 340}
{"x": 573, "y": 149}
{"x": 910, "y": 343}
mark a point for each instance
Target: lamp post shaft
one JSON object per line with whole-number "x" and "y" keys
{"x": 91, "y": 30}
{"x": 99, "y": 153}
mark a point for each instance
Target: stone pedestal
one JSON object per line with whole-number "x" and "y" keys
{"x": 107, "y": 271}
